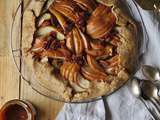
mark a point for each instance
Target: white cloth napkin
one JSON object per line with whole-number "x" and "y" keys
{"x": 121, "y": 105}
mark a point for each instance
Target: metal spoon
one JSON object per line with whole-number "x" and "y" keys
{"x": 150, "y": 91}
{"x": 135, "y": 87}
{"x": 151, "y": 73}
{"x": 136, "y": 90}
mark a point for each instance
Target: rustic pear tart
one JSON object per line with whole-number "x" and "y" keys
{"x": 80, "y": 49}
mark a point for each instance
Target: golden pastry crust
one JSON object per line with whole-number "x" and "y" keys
{"x": 127, "y": 51}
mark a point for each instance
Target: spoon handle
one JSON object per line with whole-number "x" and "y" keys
{"x": 155, "y": 106}
{"x": 152, "y": 113}
{"x": 156, "y": 102}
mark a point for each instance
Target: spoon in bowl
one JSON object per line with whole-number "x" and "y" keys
{"x": 151, "y": 73}
{"x": 150, "y": 92}
{"x": 136, "y": 90}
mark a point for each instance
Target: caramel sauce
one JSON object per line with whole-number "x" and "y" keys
{"x": 14, "y": 112}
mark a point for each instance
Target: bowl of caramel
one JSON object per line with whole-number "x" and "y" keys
{"x": 17, "y": 110}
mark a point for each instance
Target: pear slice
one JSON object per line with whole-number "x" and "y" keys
{"x": 87, "y": 75}
{"x": 112, "y": 70}
{"x": 85, "y": 40}
{"x": 96, "y": 44}
{"x": 114, "y": 61}
{"x": 82, "y": 82}
{"x": 44, "y": 31}
{"x": 76, "y": 70}
{"x": 92, "y": 75}
{"x": 95, "y": 52}
{"x": 94, "y": 64}
{"x": 107, "y": 52}
{"x": 38, "y": 45}
{"x": 70, "y": 42}
{"x": 44, "y": 60}
{"x": 63, "y": 69}
{"x": 101, "y": 22}
{"x": 115, "y": 40}
{"x": 53, "y": 54}
{"x": 101, "y": 10}
{"x": 69, "y": 71}
{"x": 66, "y": 8}
{"x": 43, "y": 18}
{"x": 73, "y": 75}
{"x": 101, "y": 53}
{"x": 111, "y": 65}
{"x": 65, "y": 52}
{"x": 76, "y": 87}
{"x": 59, "y": 17}
{"x": 87, "y": 5}
{"x": 78, "y": 43}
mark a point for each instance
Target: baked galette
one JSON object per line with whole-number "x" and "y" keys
{"x": 80, "y": 49}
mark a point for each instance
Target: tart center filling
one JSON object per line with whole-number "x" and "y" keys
{"x": 78, "y": 38}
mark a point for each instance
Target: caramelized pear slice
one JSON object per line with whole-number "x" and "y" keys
{"x": 67, "y": 8}
{"x": 108, "y": 51}
{"x": 96, "y": 44}
{"x": 83, "y": 83}
{"x": 43, "y": 18}
{"x": 70, "y": 42}
{"x": 65, "y": 52}
{"x": 111, "y": 65}
{"x": 76, "y": 87}
{"x": 101, "y": 53}
{"x": 57, "y": 54}
{"x": 89, "y": 76}
{"x": 115, "y": 40}
{"x": 94, "y": 64}
{"x": 100, "y": 26}
{"x": 73, "y": 75}
{"x": 38, "y": 45}
{"x": 109, "y": 69}
{"x": 114, "y": 61}
{"x": 75, "y": 79}
{"x": 59, "y": 17}
{"x": 87, "y": 5}
{"x": 64, "y": 69}
{"x": 112, "y": 70}
{"x": 68, "y": 72}
{"x": 53, "y": 54}
{"x": 85, "y": 40}
{"x": 92, "y": 75}
{"x": 101, "y": 22}
{"x": 101, "y": 10}
{"x": 95, "y": 53}
{"x": 44, "y": 31}
{"x": 78, "y": 43}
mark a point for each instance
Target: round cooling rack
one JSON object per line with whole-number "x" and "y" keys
{"x": 16, "y": 48}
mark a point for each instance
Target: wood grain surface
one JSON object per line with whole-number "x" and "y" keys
{"x": 11, "y": 84}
